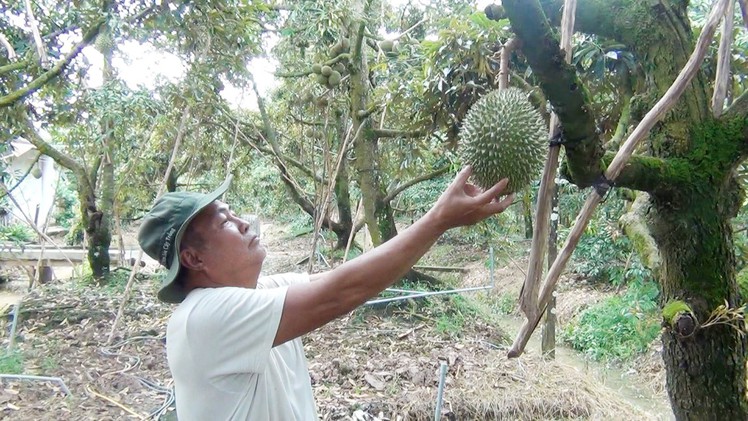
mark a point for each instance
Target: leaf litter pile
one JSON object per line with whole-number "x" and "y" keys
{"x": 375, "y": 364}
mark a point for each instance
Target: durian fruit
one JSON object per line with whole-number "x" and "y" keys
{"x": 503, "y": 135}
{"x": 339, "y": 67}
{"x": 321, "y": 79}
{"x": 386, "y": 45}
{"x": 104, "y": 42}
{"x": 334, "y": 79}
{"x": 317, "y": 68}
{"x": 326, "y": 70}
{"x": 494, "y": 12}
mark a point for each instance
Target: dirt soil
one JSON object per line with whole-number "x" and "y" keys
{"x": 374, "y": 364}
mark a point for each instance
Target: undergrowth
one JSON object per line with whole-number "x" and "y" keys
{"x": 11, "y": 362}
{"x": 619, "y": 327}
{"x": 16, "y": 233}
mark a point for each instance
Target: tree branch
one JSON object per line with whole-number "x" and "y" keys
{"x": 407, "y": 134}
{"x": 744, "y": 12}
{"x": 561, "y": 86}
{"x": 40, "y": 81}
{"x": 45, "y": 148}
{"x": 738, "y": 108}
{"x": 399, "y": 189}
{"x": 661, "y": 177}
{"x": 13, "y": 67}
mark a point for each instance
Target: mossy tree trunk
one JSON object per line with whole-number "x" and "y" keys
{"x": 342, "y": 193}
{"x": 688, "y": 172}
{"x": 377, "y": 211}
{"x": 97, "y": 219}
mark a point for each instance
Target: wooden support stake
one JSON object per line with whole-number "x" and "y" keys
{"x": 506, "y": 52}
{"x": 665, "y": 104}
{"x": 722, "y": 79}
{"x": 529, "y": 295}
{"x": 136, "y": 266}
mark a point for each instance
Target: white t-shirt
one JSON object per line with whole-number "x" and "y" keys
{"x": 219, "y": 343}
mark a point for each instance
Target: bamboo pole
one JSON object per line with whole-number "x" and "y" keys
{"x": 34, "y": 25}
{"x": 665, "y": 104}
{"x": 162, "y": 187}
{"x": 529, "y": 295}
{"x": 722, "y": 79}
{"x": 506, "y": 52}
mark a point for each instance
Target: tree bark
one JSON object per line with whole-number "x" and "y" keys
{"x": 706, "y": 372}
{"x": 377, "y": 212}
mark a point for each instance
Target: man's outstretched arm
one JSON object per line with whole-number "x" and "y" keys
{"x": 334, "y": 293}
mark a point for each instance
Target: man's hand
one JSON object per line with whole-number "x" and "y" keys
{"x": 465, "y": 204}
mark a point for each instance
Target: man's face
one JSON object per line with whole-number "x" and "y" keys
{"x": 230, "y": 252}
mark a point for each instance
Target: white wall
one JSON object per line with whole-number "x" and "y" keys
{"x": 35, "y": 195}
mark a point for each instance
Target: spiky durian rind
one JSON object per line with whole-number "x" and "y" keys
{"x": 503, "y": 135}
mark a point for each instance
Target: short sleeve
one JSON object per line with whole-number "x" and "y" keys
{"x": 231, "y": 330}
{"x": 283, "y": 279}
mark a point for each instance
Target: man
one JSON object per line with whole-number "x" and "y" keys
{"x": 233, "y": 343}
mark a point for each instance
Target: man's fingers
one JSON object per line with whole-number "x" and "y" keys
{"x": 506, "y": 202}
{"x": 463, "y": 175}
{"x": 494, "y": 191}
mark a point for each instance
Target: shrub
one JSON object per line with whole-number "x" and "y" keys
{"x": 603, "y": 255}
{"x": 619, "y": 327}
{"x": 742, "y": 279}
{"x": 17, "y": 233}
{"x": 11, "y": 362}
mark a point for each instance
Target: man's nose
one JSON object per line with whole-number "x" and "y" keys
{"x": 253, "y": 222}
{"x": 243, "y": 225}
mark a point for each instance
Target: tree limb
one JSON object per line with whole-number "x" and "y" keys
{"x": 50, "y": 74}
{"x": 402, "y": 187}
{"x": 561, "y": 86}
{"x": 13, "y": 67}
{"x": 45, "y": 148}
{"x": 252, "y": 142}
{"x": 407, "y": 134}
{"x": 724, "y": 56}
{"x": 661, "y": 177}
{"x": 738, "y": 108}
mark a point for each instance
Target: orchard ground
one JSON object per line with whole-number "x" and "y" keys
{"x": 378, "y": 363}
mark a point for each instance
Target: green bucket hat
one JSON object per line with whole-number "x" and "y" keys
{"x": 162, "y": 229}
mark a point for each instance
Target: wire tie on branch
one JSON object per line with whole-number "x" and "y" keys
{"x": 558, "y": 138}
{"x": 603, "y": 187}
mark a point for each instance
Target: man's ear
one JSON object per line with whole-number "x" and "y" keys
{"x": 190, "y": 258}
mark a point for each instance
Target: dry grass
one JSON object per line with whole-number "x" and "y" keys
{"x": 390, "y": 369}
